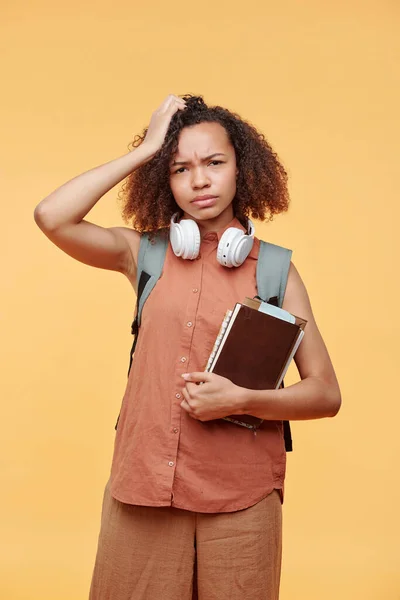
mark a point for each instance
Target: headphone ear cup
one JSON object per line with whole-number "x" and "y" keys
{"x": 242, "y": 250}
{"x": 234, "y": 247}
{"x": 226, "y": 247}
{"x": 191, "y": 239}
{"x": 176, "y": 238}
{"x": 184, "y": 237}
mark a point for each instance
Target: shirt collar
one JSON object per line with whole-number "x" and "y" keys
{"x": 236, "y": 223}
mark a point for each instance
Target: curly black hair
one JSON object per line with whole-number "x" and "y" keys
{"x": 148, "y": 202}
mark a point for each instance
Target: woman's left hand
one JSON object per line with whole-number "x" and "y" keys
{"x": 216, "y": 398}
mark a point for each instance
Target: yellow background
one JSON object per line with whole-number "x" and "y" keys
{"x": 321, "y": 80}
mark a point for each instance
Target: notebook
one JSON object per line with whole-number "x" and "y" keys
{"x": 254, "y": 348}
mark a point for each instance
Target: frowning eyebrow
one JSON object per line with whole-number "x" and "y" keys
{"x": 187, "y": 162}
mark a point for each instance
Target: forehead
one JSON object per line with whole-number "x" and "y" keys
{"x": 202, "y": 139}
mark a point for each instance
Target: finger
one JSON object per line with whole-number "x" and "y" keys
{"x": 186, "y": 395}
{"x": 192, "y": 388}
{"x": 170, "y": 101}
{"x": 174, "y": 106}
{"x": 175, "y": 100}
{"x": 187, "y": 408}
{"x": 197, "y": 377}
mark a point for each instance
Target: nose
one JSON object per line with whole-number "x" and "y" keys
{"x": 199, "y": 177}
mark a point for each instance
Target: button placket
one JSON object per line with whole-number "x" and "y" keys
{"x": 192, "y": 307}
{"x": 183, "y": 359}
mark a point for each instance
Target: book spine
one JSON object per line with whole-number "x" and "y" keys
{"x": 220, "y": 335}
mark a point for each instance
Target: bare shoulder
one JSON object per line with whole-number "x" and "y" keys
{"x": 296, "y": 295}
{"x": 312, "y": 358}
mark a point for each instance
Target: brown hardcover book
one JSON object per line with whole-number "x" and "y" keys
{"x": 255, "y": 351}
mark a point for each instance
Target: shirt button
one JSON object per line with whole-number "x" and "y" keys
{"x": 177, "y": 395}
{"x": 183, "y": 359}
{"x": 171, "y": 464}
{"x": 176, "y": 430}
{"x": 189, "y": 323}
{"x": 195, "y": 290}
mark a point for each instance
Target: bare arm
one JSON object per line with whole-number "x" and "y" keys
{"x": 317, "y": 395}
{"x": 61, "y": 214}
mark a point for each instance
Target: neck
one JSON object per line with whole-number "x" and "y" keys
{"x": 214, "y": 224}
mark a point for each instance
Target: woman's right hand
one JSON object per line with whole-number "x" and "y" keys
{"x": 160, "y": 121}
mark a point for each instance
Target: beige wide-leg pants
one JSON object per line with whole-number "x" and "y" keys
{"x": 166, "y": 553}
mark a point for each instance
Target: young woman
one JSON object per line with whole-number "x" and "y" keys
{"x": 193, "y": 503}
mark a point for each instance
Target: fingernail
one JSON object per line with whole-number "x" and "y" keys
{"x": 185, "y": 375}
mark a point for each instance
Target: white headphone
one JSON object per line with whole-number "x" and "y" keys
{"x": 233, "y": 248}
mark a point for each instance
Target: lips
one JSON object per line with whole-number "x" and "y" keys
{"x": 207, "y": 197}
{"x": 204, "y": 201}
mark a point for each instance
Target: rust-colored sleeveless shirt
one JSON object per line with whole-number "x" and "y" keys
{"x": 162, "y": 456}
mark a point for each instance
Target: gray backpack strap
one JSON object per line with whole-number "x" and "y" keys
{"x": 150, "y": 265}
{"x": 272, "y": 271}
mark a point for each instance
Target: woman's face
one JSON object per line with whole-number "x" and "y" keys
{"x": 208, "y": 169}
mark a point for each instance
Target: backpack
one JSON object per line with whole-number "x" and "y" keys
{"x": 271, "y": 273}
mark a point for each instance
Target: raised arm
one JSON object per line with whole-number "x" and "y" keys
{"x": 61, "y": 214}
